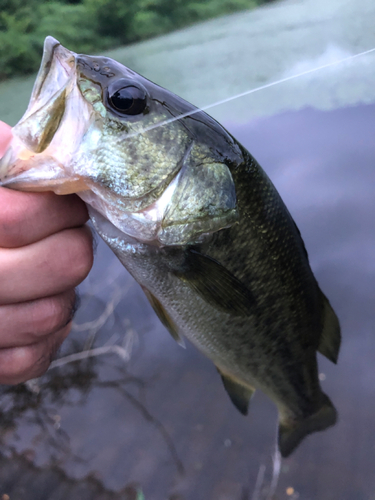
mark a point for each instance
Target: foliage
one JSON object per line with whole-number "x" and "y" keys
{"x": 88, "y": 26}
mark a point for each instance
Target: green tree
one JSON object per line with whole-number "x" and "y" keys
{"x": 86, "y": 26}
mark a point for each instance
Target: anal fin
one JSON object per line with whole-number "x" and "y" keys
{"x": 164, "y": 317}
{"x": 330, "y": 339}
{"x": 239, "y": 394}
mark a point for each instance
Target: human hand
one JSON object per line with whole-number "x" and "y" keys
{"x": 45, "y": 251}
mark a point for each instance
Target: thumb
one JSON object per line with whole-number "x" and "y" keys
{"x": 5, "y": 137}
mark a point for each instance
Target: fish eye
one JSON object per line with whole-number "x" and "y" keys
{"x": 127, "y": 98}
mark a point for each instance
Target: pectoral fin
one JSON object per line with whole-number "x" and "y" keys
{"x": 239, "y": 394}
{"x": 216, "y": 285}
{"x": 164, "y": 317}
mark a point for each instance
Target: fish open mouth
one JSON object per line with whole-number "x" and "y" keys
{"x": 31, "y": 163}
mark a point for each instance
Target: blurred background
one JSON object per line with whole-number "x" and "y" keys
{"x": 125, "y": 413}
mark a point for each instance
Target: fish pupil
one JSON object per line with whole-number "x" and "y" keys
{"x": 128, "y": 100}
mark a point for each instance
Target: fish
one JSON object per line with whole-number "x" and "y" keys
{"x": 194, "y": 219}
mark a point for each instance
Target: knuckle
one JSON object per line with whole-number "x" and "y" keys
{"x": 76, "y": 209}
{"x": 53, "y": 313}
{"x": 81, "y": 255}
{"x": 19, "y": 364}
{"x": 12, "y": 210}
{"x": 22, "y": 363}
{"x": 11, "y": 222}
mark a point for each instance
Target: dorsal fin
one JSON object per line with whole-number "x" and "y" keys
{"x": 164, "y": 317}
{"x": 330, "y": 339}
{"x": 239, "y": 394}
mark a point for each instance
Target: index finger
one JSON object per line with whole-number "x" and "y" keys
{"x": 29, "y": 217}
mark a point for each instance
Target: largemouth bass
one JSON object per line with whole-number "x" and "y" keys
{"x": 193, "y": 218}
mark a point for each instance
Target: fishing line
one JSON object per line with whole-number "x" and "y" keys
{"x": 259, "y": 483}
{"x": 252, "y": 91}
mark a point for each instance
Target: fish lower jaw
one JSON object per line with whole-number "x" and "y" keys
{"x": 144, "y": 226}
{"x": 109, "y": 217}
{"x": 24, "y": 170}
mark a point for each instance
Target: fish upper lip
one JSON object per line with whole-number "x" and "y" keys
{"x": 64, "y": 61}
{"x": 49, "y": 47}
{"x": 53, "y": 48}
{"x": 64, "y": 70}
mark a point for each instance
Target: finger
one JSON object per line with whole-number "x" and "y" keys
{"x": 18, "y": 364}
{"x": 5, "y": 137}
{"x": 48, "y": 267}
{"x": 29, "y": 217}
{"x": 28, "y": 322}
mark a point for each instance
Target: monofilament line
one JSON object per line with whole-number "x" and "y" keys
{"x": 252, "y": 91}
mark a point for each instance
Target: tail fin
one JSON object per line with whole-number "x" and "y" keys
{"x": 330, "y": 339}
{"x": 292, "y": 433}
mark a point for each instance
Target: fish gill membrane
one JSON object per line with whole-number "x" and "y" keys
{"x": 193, "y": 218}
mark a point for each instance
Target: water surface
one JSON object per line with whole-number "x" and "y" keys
{"x": 161, "y": 422}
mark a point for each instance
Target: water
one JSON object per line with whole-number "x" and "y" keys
{"x": 161, "y": 423}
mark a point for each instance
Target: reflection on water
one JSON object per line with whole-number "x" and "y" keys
{"x": 144, "y": 417}
{"x": 34, "y": 409}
